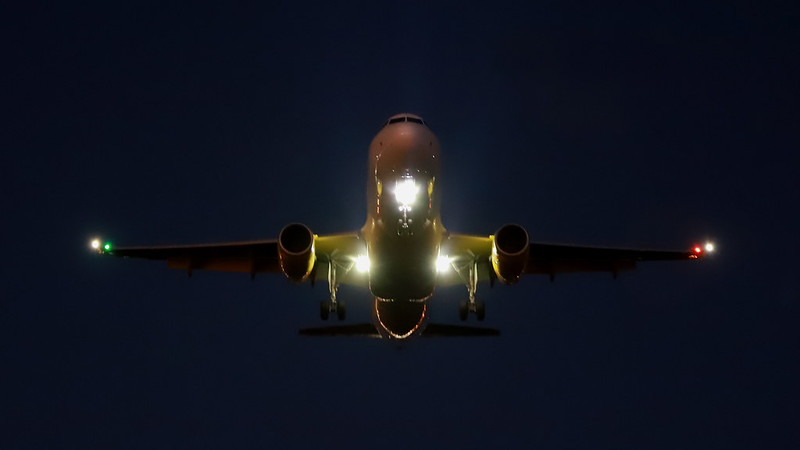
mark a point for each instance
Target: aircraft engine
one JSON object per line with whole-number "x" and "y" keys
{"x": 510, "y": 250}
{"x": 296, "y": 251}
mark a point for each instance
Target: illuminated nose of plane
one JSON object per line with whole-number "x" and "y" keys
{"x": 399, "y": 319}
{"x": 404, "y": 143}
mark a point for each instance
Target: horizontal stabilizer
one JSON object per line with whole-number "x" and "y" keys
{"x": 440, "y": 330}
{"x": 361, "y": 329}
{"x": 368, "y": 330}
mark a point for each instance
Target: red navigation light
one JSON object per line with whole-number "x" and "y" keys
{"x": 696, "y": 252}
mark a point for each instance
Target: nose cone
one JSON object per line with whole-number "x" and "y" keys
{"x": 405, "y": 142}
{"x": 399, "y": 319}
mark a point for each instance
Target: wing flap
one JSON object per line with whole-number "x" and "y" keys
{"x": 225, "y": 265}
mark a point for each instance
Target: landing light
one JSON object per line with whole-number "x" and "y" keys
{"x": 96, "y": 244}
{"x": 362, "y": 263}
{"x": 405, "y": 191}
{"x": 442, "y": 263}
{"x": 709, "y": 247}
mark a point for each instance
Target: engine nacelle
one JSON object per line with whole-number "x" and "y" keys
{"x": 296, "y": 251}
{"x": 510, "y": 250}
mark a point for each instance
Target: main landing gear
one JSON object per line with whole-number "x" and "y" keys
{"x": 469, "y": 273}
{"x": 475, "y": 306}
{"x": 326, "y": 308}
{"x": 334, "y": 306}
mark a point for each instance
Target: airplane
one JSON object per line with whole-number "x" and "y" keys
{"x": 403, "y": 251}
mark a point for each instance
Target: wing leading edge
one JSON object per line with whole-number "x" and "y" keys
{"x": 258, "y": 256}
{"x": 261, "y": 256}
{"x": 551, "y": 259}
{"x": 245, "y": 256}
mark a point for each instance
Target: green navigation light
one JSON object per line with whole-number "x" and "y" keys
{"x": 107, "y": 246}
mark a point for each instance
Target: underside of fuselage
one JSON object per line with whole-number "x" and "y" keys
{"x": 399, "y": 319}
{"x": 403, "y": 267}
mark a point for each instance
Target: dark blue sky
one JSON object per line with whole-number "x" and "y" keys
{"x": 622, "y": 124}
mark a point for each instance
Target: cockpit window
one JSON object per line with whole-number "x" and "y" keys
{"x": 405, "y": 119}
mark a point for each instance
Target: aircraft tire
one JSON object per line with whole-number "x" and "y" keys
{"x": 463, "y": 311}
{"x": 341, "y": 311}
{"x": 324, "y": 310}
{"x": 480, "y": 310}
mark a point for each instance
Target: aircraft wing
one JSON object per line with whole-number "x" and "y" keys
{"x": 259, "y": 256}
{"x": 246, "y": 256}
{"x": 551, "y": 259}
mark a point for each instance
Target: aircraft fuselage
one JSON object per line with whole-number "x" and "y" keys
{"x": 403, "y": 230}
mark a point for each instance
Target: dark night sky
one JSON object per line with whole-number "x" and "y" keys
{"x": 621, "y": 124}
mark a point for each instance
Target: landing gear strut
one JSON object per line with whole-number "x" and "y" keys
{"x": 469, "y": 271}
{"x": 334, "y": 306}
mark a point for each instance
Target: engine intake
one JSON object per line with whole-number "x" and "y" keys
{"x": 510, "y": 250}
{"x": 296, "y": 251}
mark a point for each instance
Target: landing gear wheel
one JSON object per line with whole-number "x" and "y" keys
{"x": 341, "y": 311}
{"x": 463, "y": 311}
{"x": 324, "y": 310}
{"x": 480, "y": 310}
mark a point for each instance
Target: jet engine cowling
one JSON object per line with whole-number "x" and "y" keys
{"x": 296, "y": 252}
{"x": 510, "y": 250}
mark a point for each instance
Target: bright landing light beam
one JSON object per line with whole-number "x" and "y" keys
{"x": 405, "y": 192}
{"x": 362, "y": 263}
{"x": 442, "y": 263}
